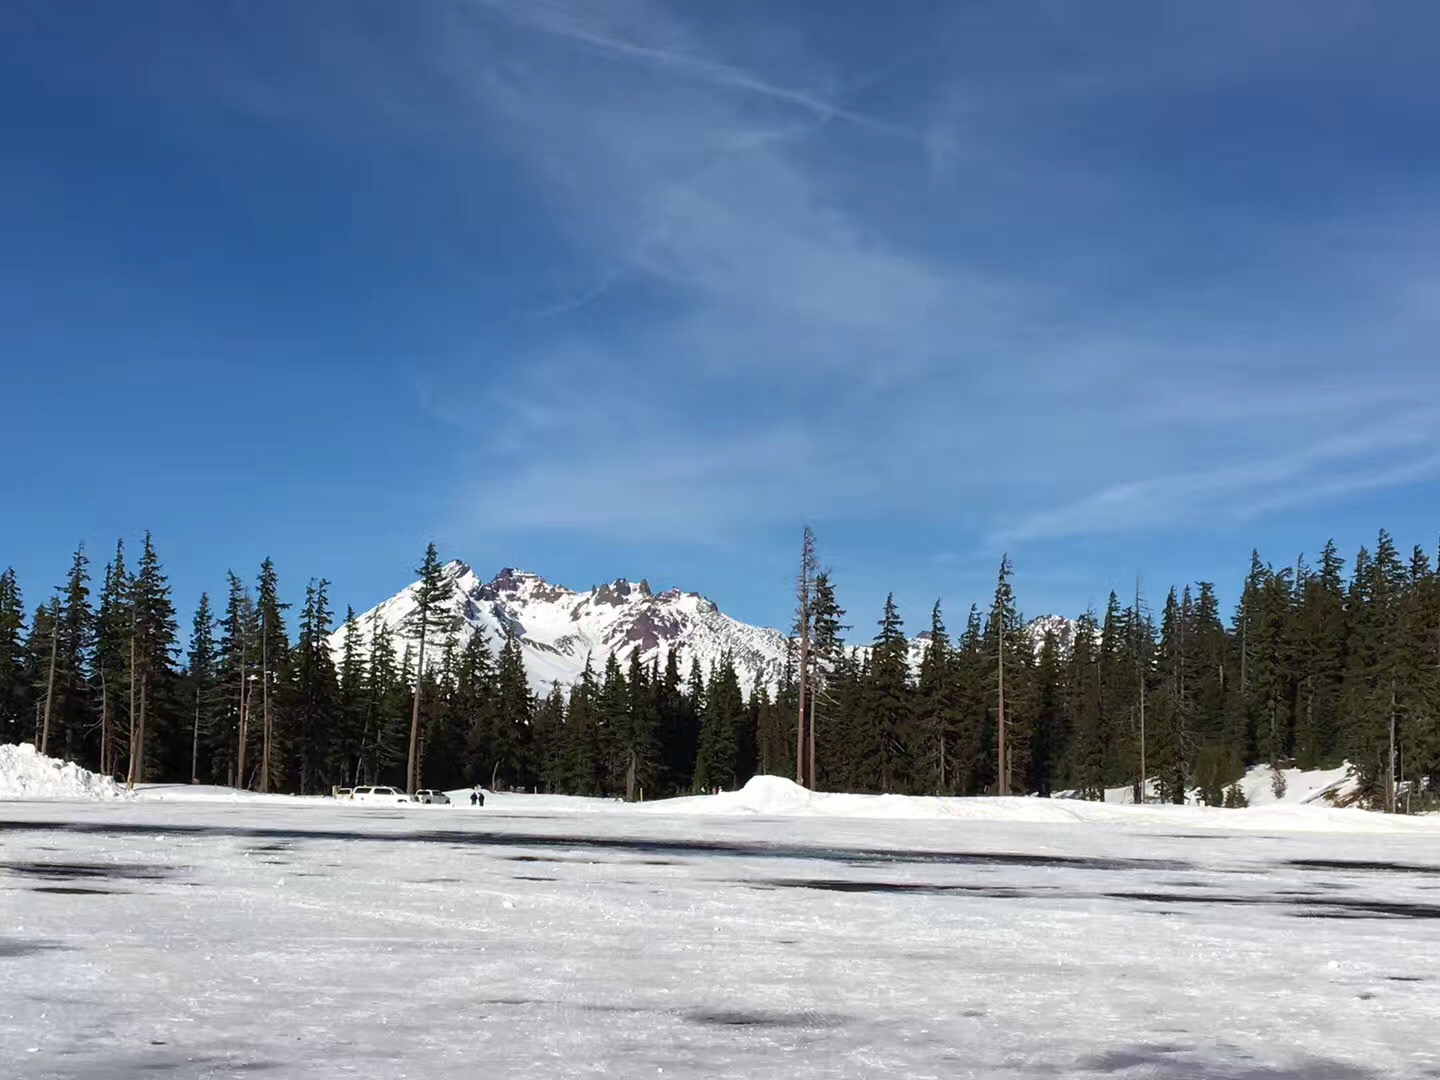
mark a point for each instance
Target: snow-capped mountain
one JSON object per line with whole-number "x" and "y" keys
{"x": 1063, "y": 628}
{"x": 559, "y": 627}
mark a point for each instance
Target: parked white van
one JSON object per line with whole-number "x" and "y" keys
{"x": 379, "y": 794}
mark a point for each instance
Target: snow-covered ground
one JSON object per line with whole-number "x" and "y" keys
{"x": 763, "y": 933}
{"x": 1326, "y": 787}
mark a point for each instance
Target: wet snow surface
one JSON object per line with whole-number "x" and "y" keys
{"x": 201, "y": 939}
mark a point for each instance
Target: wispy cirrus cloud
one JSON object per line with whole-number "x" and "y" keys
{"x": 1055, "y": 278}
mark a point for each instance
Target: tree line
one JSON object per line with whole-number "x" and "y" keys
{"x": 1312, "y": 667}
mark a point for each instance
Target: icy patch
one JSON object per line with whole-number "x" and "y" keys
{"x": 25, "y": 773}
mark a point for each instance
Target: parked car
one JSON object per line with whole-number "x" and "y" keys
{"x": 379, "y": 794}
{"x": 430, "y": 795}
{"x": 340, "y": 793}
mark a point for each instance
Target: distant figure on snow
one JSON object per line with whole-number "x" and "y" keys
{"x": 477, "y": 797}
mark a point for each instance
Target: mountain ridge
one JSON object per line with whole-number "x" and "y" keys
{"x": 560, "y": 628}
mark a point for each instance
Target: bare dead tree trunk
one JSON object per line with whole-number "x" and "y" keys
{"x": 104, "y": 727}
{"x": 1004, "y": 784}
{"x": 1391, "y": 803}
{"x": 265, "y": 702}
{"x": 131, "y": 773}
{"x": 195, "y": 741}
{"x": 140, "y": 730}
{"x": 412, "y": 766}
{"x": 243, "y": 715}
{"x": 814, "y": 693}
{"x": 44, "y": 746}
{"x": 805, "y": 559}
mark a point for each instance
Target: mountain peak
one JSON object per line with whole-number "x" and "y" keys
{"x": 559, "y": 627}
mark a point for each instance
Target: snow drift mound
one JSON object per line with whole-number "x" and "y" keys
{"x": 27, "y": 774}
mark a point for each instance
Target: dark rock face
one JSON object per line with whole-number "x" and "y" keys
{"x": 651, "y": 627}
{"x": 509, "y": 583}
{"x": 615, "y": 593}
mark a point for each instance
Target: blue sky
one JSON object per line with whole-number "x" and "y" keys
{"x": 633, "y": 288}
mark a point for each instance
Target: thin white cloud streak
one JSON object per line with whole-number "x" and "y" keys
{"x": 561, "y": 22}
{"x": 919, "y": 383}
{"x": 1366, "y": 460}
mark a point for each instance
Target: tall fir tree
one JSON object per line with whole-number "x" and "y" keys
{"x": 311, "y": 699}
{"x": 891, "y": 704}
{"x": 231, "y": 753}
{"x": 350, "y": 714}
{"x": 1086, "y": 694}
{"x": 515, "y": 708}
{"x": 936, "y": 711}
{"x": 72, "y": 727}
{"x": 202, "y": 684}
{"x": 428, "y": 594}
{"x": 14, "y": 692}
{"x": 274, "y": 659}
{"x": 717, "y": 764}
{"x": 154, "y": 635}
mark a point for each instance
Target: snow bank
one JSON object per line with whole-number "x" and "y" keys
{"x": 1303, "y": 810}
{"x": 1319, "y": 787}
{"x": 27, "y": 774}
{"x": 1312, "y": 787}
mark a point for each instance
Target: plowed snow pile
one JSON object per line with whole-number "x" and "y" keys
{"x": 27, "y": 774}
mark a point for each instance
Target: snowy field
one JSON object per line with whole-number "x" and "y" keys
{"x": 764, "y": 933}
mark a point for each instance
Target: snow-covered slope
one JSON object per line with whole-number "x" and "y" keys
{"x": 1300, "y": 787}
{"x": 559, "y": 627}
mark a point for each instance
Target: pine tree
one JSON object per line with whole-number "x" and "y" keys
{"x": 444, "y": 737}
{"x": 717, "y": 762}
{"x": 550, "y": 739}
{"x": 826, "y": 649}
{"x": 583, "y": 766}
{"x": 383, "y": 740}
{"x": 75, "y": 641}
{"x": 974, "y": 689}
{"x": 1320, "y": 661}
{"x": 1371, "y": 694}
{"x": 14, "y": 692}
{"x": 1086, "y": 707}
{"x": 350, "y": 718}
{"x": 274, "y": 659}
{"x": 891, "y": 704}
{"x": 311, "y": 696}
{"x": 1119, "y": 695}
{"x": 1050, "y": 734}
{"x": 477, "y": 704}
{"x": 40, "y": 649}
{"x": 428, "y": 595}
{"x": 200, "y": 673}
{"x": 1010, "y": 653}
{"x": 639, "y": 737}
{"x": 515, "y": 708}
{"x": 239, "y": 647}
{"x": 936, "y": 710}
{"x": 1417, "y": 742}
{"x": 1169, "y": 737}
{"x": 153, "y": 633}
